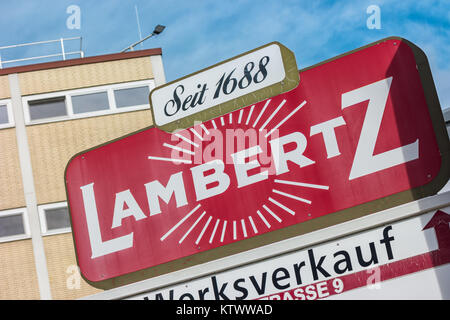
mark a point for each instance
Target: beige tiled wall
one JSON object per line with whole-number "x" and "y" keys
{"x": 11, "y": 188}
{"x": 65, "y": 281}
{"x": 18, "y": 279}
{"x": 4, "y": 87}
{"x": 88, "y": 75}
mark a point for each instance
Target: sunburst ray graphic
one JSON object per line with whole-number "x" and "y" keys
{"x": 197, "y": 225}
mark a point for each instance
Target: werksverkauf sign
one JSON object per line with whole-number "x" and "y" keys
{"x": 361, "y": 133}
{"x": 409, "y": 248}
{"x": 232, "y": 84}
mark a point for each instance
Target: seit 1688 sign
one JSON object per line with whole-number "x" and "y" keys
{"x": 361, "y": 133}
{"x": 248, "y": 78}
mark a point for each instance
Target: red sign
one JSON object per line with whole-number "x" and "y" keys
{"x": 357, "y": 129}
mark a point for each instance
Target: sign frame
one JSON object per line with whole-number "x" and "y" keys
{"x": 329, "y": 220}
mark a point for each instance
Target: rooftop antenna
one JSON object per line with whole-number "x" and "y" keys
{"x": 158, "y": 29}
{"x": 138, "y": 24}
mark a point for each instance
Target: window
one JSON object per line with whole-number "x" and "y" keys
{"x": 13, "y": 225}
{"x": 90, "y": 102}
{"x": 48, "y": 108}
{"x": 54, "y": 218}
{"x": 131, "y": 96}
{"x": 87, "y": 102}
{"x": 3, "y": 114}
{"x": 6, "y": 118}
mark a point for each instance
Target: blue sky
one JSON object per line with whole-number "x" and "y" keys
{"x": 200, "y": 33}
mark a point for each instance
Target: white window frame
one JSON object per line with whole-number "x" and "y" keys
{"x": 109, "y": 89}
{"x": 43, "y": 220}
{"x": 26, "y": 225}
{"x": 10, "y": 123}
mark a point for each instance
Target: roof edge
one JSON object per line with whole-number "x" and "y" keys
{"x": 81, "y": 61}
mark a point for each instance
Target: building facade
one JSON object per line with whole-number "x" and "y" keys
{"x": 446, "y": 113}
{"x": 48, "y": 113}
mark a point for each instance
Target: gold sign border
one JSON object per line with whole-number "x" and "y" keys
{"x": 321, "y": 222}
{"x": 290, "y": 82}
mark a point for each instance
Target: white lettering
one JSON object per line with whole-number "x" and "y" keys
{"x": 201, "y": 181}
{"x": 365, "y": 162}
{"x": 155, "y": 191}
{"x": 329, "y": 135}
{"x": 99, "y": 247}
{"x": 241, "y": 167}
{"x": 280, "y": 157}
{"x": 133, "y": 209}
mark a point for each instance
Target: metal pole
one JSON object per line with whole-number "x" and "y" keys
{"x": 81, "y": 48}
{"x": 62, "y": 48}
{"x": 136, "y": 43}
{"x": 138, "y": 23}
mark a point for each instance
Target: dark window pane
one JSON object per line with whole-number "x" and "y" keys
{"x": 131, "y": 96}
{"x": 3, "y": 114}
{"x": 90, "y": 102}
{"x": 11, "y": 225}
{"x": 57, "y": 218}
{"x": 48, "y": 108}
